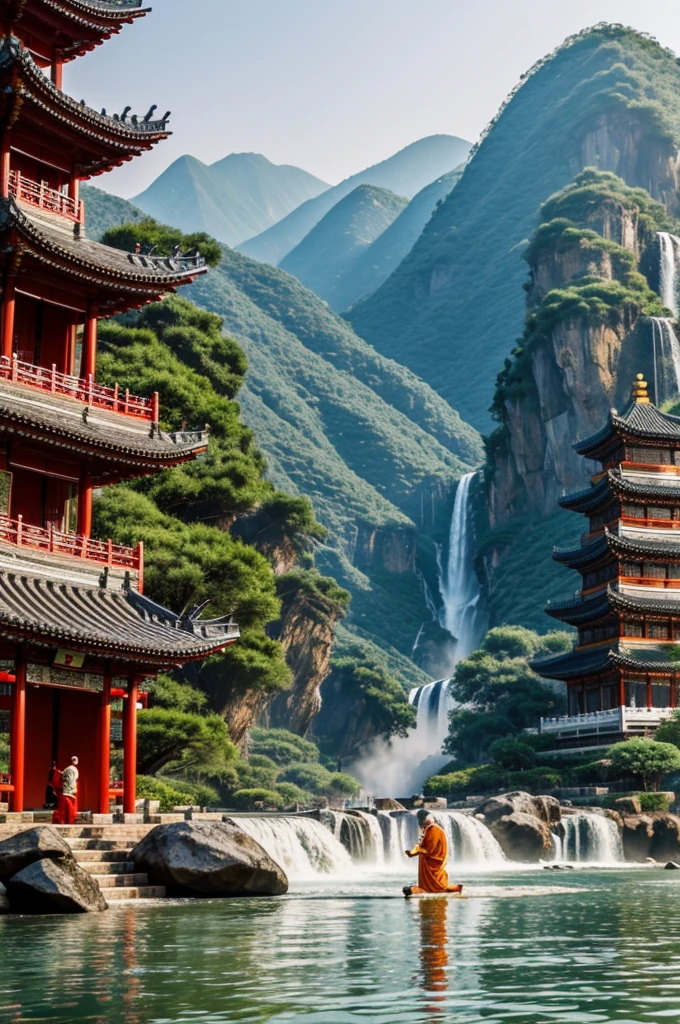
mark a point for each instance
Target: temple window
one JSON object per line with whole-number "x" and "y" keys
{"x": 634, "y": 511}
{"x": 610, "y": 697}
{"x": 660, "y": 512}
{"x": 661, "y": 695}
{"x": 654, "y": 571}
{"x": 632, "y": 569}
{"x": 633, "y": 627}
{"x": 657, "y": 630}
{"x": 636, "y": 693}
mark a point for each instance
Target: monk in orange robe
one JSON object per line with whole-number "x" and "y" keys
{"x": 432, "y": 852}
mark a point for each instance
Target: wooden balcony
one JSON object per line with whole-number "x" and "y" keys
{"x": 42, "y": 197}
{"x": 84, "y": 390}
{"x": 53, "y": 541}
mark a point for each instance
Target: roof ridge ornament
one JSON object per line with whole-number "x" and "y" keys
{"x": 640, "y": 393}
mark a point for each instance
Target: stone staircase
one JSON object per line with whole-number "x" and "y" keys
{"x": 104, "y": 851}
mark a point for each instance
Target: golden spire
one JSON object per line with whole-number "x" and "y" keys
{"x": 640, "y": 394}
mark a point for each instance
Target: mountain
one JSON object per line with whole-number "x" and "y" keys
{"x": 375, "y": 264}
{"x": 378, "y": 452}
{"x": 232, "y": 199}
{"x": 453, "y": 309}
{"x": 328, "y": 253}
{"x": 405, "y": 173}
{"x": 104, "y": 211}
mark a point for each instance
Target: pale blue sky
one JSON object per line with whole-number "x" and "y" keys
{"x": 330, "y": 85}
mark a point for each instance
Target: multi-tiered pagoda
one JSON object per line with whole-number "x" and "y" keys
{"x": 76, "y": 631}
{"x": 623, "y": 676}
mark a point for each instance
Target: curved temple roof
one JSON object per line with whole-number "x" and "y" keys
{"x": 103, "y": 142}
{"x": 639, "y": 422}
{"x": 123, "y": 277}
{"x": 645, "y": 657}
{"x": 74, "y": 26}
{"x": 636, "y": 543}
{"x": 120, "y": 623}
{"x": 127, "y": 446}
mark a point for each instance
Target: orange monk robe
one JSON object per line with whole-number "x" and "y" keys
{"x": 433, "y": 853}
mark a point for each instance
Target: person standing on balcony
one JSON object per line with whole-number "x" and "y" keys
{"x": 67, "y": 806}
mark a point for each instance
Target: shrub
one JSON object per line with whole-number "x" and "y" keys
{"x": 313, "y": 777}
{"x": 282, "y": 747}
{"x": 654, "y": 801}
{"x": 292, "y": 794}
{"x": 512, "y": 754}
{"x": 173, "y": 794}
{"x": 647, "y": 760}
{"x": 247, "y": 798}
{"x": 342, "y": 784}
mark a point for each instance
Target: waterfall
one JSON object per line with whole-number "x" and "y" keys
{"x": 669, "y": 247}
{"x": 393, "y": 852}
{"x": 359, "y": 833}
{"x": 588, "y": 837}
{"x": 458, "y": 586}
{"x": 302, "y": 846}
{"x": 470, "y": 841}
{"x": 432, "y": 703}
{"x": 666, "y": 359}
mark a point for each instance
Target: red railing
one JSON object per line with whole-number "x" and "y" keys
{"x": 53, "y": 541}
{"x": 75, "y": 387}
{"x": 42, "y": 196}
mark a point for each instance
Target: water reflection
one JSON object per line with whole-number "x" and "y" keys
{"x": 608, "y": 954}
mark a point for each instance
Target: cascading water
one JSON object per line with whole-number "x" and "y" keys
{"x": 458, "y": 586}
{"x": 470, "y": 841}
{"x": 302, "y": 846}
{"x": 587, "y": 837}
{"x": 669, "y": 248}
{"x": 401, "y": 767}
{"x": 666, "y": 359}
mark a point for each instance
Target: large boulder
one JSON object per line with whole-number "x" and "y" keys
{"x": 522, "y": 836}
{"x": 25, "y": 848}
{"x": 208, "y": 858}
{"x": 655, "y": 835}
{"x": 54, "y": 887}
{"x": 545, "y": 808}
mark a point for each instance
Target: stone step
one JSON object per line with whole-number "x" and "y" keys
{"x": 102, "y": 844}
{"x": 101, "y": 867}
{"x": 133, "y": 880}
{"x": 137, "y": 892}
{"x": 98, "y": 856}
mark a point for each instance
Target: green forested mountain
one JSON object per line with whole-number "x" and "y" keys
{"x": 375, "y": 264}
{"x": 104, "y": 211}
{"x": 374, "y": 447}
{"x": 325, "y": 257}
{"x": 405, "y": 173}
{"x": 232, "y": 199}
{"x": 453, "y": 309}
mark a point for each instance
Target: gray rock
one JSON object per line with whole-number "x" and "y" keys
{"x": 208, "y": 858}
{"x": 672, "y": 866}
{"x": 522, "y": 836}
{"x": 25, "y": 848}
{"x": 51, "y": 887}
{"x": 628, "y": 805}
{"x": 4, "y": 902}
{"x": 545, "y": 808}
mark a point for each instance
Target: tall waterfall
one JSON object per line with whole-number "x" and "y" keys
{"x": 458, "y": 585}
{"x": 588, "y": 837}
{"x": 401, "y": 767}
{"x": 302, "y": 846}
{"x": 669, "y": 247}
{"x": 666, "y": 359}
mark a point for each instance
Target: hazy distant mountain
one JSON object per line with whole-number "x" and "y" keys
{"x": 327, "y": 254}
{"x": 375, "y": 263}
{"x": 405, "y": 173}
{"x": 232, "y": 199}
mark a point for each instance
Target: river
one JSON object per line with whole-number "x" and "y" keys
{"x": 529, "y": 946}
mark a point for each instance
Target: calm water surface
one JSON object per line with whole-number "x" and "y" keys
{"x": 532, "y": 947}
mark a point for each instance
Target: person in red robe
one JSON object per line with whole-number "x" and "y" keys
{"x": 67, "y": 805}
{"x": 432, "y": 852}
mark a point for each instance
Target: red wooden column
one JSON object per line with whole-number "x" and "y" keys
{"x": 85, "y": 504}
{"x": 105, "y": 745}
{"x": 130, "y": 747}
{"x": 8, "y": 310}
{"x": 57, "y": 70}
{"x": 90, "y": 342}
{"x": 622, "y": 691}
{"x": 5, "y": 165}
{"x": 18, "y": 732}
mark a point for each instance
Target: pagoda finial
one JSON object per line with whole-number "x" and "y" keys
{"x": 640, "y": 394}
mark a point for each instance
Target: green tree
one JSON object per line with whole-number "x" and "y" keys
{"x": 512, "y": 754}
{"x": 198, "y": 743}
{"x": 501, "y": 693}
{"x": 149, "y": 233}
{"x": 647, "y": 760}
{"x": 669, "y": 731}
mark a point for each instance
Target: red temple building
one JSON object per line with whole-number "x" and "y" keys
{"x": 77, "y": 635}
{"x": 623, "y": 676}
